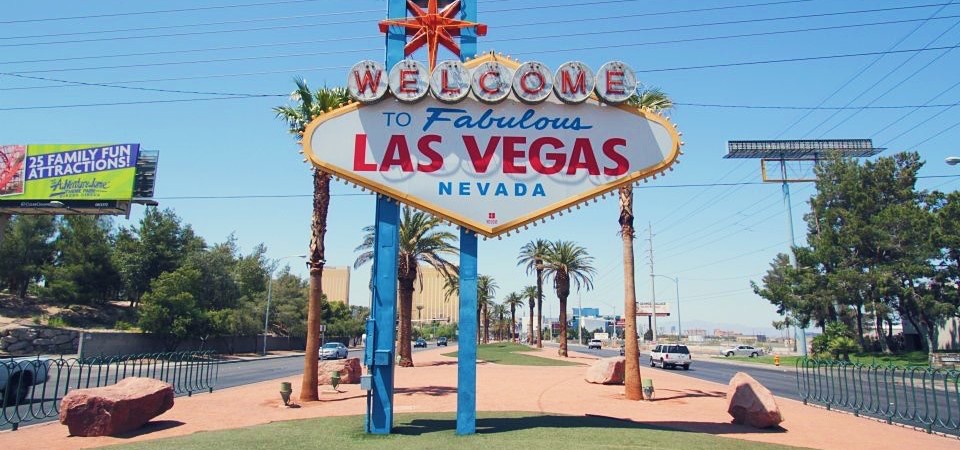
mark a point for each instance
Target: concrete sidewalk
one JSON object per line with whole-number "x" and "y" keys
{"x": 681, "y": 403}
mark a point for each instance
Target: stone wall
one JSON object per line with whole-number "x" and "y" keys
{"x": 20, "y": 340}
{"x": 945, "y": 360}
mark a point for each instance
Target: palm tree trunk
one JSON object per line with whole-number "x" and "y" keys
{"x": 486, "y": 324}
{"x": 513, "y": 321}
{"x": 633, "y": 389}
{"x": 406, "y": 311}
{"x": 563, "y": 325}
{"x": 539, "y": 306}
{"x": 318, "y": 228}
{"x": 530, "y": 324}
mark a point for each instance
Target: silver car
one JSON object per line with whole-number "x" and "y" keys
{"x": 333, "y": 350}
{"x": 742, "y": 350}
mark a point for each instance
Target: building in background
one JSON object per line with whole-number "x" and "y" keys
{"x": 336, "y": 283}
{"x": 428, "y": 292}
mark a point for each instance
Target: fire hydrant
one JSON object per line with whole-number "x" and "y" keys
{"x": 776, "y": 360}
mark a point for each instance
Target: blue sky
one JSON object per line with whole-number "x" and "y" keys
{"x": 158, "y": 72}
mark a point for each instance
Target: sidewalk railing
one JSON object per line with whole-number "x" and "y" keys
{"x": 918, "y": 396}
{"x": 33, "y": 387}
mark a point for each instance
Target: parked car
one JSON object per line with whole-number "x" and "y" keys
{"x": 333, "y": 350}
{"x": 742, "y": 350}
{"x": 595, "y": 343}
{"x": 19, "y": 375}
{"x": 671, "y": 355}
{"x": 420, "y": 343}
{"x": 442, "y": 341}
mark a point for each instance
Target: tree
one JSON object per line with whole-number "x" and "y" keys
{"x": 655, "y": 100}
{"x": 170, "y": 309}
{"x": 421, "y": 242}
{"x": 26, "y": 251}
{"x": 567, "y": 262}
{"x": 308, "y": 106}
{"x": 513, "y": 301}
{"x": 531, "y": 257}
{"x": 83, "y": 271}
{"x": 486, "y": 292}
{"x": 530, "y": 293}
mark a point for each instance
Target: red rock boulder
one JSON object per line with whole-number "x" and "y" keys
{"x": 350, "y": 371}
{"x": 606, "y": 371}
{"x": 750, "y": 403}
{"x": 116, "y": 409}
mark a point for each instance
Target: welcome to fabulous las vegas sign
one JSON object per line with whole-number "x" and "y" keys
{"x": 491, "y": 144}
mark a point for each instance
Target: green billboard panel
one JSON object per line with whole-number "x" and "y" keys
{"x": 67, "y": 171}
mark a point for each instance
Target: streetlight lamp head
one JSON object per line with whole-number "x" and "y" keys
{"x": 952, "y": 160}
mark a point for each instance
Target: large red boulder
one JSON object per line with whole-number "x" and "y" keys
{"x": 110, "y": 410}
{"x": 750, "y": 403}
{"x": 350, "y": 371}
{"x": 606, "y": 371}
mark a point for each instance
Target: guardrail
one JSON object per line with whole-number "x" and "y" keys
{"x": 919, "y": 396}
{"x": 26, "y": 399}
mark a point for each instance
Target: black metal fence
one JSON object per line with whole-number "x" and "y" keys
{"x": 919, "y": 396}
{"x": 32, "y": 388}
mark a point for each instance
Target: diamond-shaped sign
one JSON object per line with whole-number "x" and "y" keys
{"x": 491, "y": 168}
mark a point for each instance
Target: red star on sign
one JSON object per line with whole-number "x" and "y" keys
{"x": 433, "y": 27}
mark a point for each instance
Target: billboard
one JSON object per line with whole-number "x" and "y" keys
{"x": 491, "y": 168}
{"x": 49, "y": 172}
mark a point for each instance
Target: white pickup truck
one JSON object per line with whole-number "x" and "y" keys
{"x": 19, "y": 375}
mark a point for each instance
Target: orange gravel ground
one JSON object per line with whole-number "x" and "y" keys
{"x": 681, "y": 403}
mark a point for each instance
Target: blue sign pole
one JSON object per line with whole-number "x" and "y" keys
{"x": 467, "y": 341}
{"x": 384, "y": 308}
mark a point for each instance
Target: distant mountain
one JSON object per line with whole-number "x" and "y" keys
{"x": 744, "y": 329}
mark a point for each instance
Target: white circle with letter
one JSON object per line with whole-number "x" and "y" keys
{"x": 573, "y": 82}
{"x": 367, "y": 81}
{"x": 409, "y": 80}
{"x": 616, "y": 82}
{"x": 491, "y": 82}
{"x": 450, "y": 81}
{"x": 532, "y": 82}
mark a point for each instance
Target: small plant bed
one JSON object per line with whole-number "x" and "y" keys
{"x": 911, "y": 359}
{"x": 512, "y": 355}
{"x": 437, "y": 431}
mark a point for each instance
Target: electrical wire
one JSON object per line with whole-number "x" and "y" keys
{"x": 160, "y": 11}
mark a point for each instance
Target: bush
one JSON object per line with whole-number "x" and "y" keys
{"x": 123, "y": 325}
{"x": 56, "y": 322}
{"x": 842, "y": 346}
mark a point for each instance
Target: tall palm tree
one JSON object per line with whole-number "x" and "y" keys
{"x": 655, "y": 100}
{"x": 486, "y": 291}
{"x": 499, "y": 311}
{"x": 308, "y": 105}
{"x": 530, "y": 293}
{"x": 421, "y": 242}
{"x": 567, "y": 262}
{"x": 513, "y": 301}
{"x": 531, "y": 256}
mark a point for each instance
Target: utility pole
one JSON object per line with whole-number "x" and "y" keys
{"x": 653, "y": 289}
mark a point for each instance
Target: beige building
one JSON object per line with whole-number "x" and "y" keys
{"x": 430, "y": 295}
{"x": 336, "y": 283}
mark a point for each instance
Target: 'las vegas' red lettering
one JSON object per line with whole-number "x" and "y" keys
{"x": 436, "y": 161}
{"x": 582, "y": 158}
{"x": 481, "y": 161}
{"x": 558, "y": 159}
{"x": 610, "y": 151}
{"x": 511, "y": 153}
{"x": 397, "y": 154}
{"x": 360, "y": 163}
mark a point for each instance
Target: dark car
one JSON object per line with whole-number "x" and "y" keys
{"x": 442, "y": 341}
{"x": 420, "y": 343}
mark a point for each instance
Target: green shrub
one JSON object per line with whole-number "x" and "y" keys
{"x": 122, "y": 325}
{"x": 56, "y": 322}
{"x": 842, "y": 346}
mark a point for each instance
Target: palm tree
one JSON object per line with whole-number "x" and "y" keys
{"x": 530, "y": 293}
{"x": 513, "y": 301}
{"x": 567, "y": 262}
{"x": 308, "y": 106}
{"x": 486, "y": 291}
{"x": 531, "y": 256}
{"x": 498, "y": 311}
{"x": 420, "y": 243}
{"x": 655, "y": 100}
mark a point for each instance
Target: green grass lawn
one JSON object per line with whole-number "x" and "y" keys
{"x": 510, "y": 354}
{"x": 500, "y": 430}
{"x": 911, "y": 359}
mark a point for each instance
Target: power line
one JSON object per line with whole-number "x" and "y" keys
{"x": 141, "y": 102}
{"x": 818, "y": 108}
{"x": 176, "y": 91}
{"x": 159, "y": 11}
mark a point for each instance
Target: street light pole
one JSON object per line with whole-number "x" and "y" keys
{"x": 266, "y": 314}
{"x": 676, "y": 281}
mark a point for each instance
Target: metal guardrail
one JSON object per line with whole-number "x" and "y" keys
{"x": 24, "y": 400}
{"x": 919, "y": 396}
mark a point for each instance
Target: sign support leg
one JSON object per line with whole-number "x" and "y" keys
{"x": 467, "y": 339}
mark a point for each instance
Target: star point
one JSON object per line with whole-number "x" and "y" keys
{"x": 433, "y": 27}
